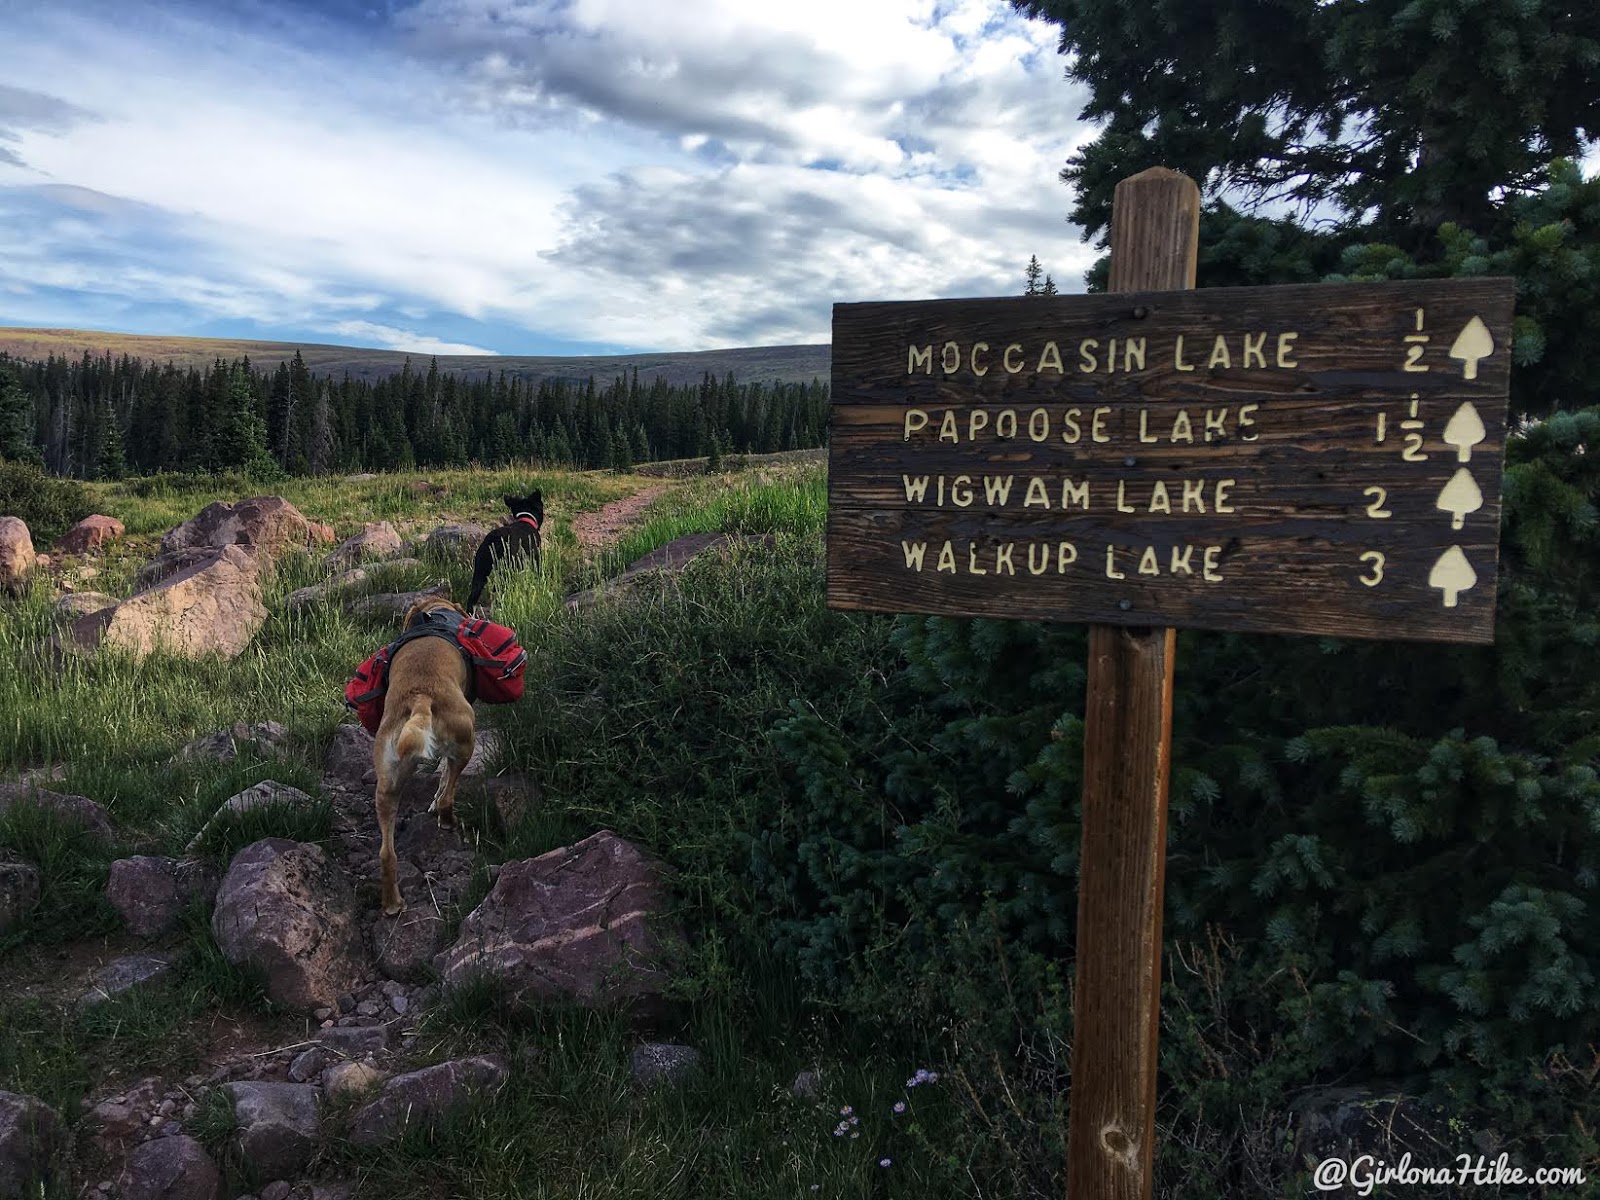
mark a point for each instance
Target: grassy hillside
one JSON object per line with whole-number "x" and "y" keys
{"x": 780, "y": 364}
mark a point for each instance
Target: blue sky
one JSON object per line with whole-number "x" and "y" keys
{"x": 523, "y": 176}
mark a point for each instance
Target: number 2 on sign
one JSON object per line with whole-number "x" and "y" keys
{"x": 1374, "y": 576}
{"x": 1376, "y": 508}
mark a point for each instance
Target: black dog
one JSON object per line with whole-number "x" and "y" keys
{"x": 519, "y": 539}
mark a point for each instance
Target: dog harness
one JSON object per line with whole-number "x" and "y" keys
{"x": 495, "y": 662}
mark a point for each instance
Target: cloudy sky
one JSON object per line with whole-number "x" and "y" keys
{"x": 523, "y": 176}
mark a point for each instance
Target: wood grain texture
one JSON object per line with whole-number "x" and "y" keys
{"x": 1127, "y": 751}
{"x": 1303, "y": 443}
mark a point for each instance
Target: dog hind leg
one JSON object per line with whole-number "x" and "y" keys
{"x": 385, "y": 800}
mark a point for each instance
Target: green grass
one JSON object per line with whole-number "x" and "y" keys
{"x": 571, "y": 1124}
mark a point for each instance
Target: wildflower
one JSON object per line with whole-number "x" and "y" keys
{"x": 883, "y": 1162}
{"x": 854, "y": 1136}
{"x": 899, "y": 1106}
{"x": 846, "y": 1111}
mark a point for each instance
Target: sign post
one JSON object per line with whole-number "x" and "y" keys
{"x": 1320, "y": 459}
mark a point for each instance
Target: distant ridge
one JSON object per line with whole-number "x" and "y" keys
{"x": 763, "y": 364}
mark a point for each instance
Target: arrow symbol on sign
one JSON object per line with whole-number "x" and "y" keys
{"x": 1465, "y": 431}
{"x": 1452, "y": 575}
{"x": 1471, "y": 344}
{"x": 1460, "y": 497}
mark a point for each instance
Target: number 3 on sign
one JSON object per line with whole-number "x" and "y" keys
{"x": 1374, "y": 575}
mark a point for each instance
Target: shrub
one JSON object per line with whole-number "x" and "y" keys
{"x": 49, "y": 505}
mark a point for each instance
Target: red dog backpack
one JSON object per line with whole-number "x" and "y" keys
{"x": 495, "y": 660}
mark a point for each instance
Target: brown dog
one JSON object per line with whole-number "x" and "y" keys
{"x": 427, "y": 717}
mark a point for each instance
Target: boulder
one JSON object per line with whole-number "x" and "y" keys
{"x": 90, "y": 535}
{"x": 31, "y": 1137}
{"x": 664, "y": 562}
{"x": 404, "y": 946}
{"x": 663, "y": 1062}
{"x": 349, "y": 760}
{"x": 485, "y": 748}
{"x": 210, "y": 607}
{"x": 17, "y": 558}
{"x": 277, "y": 1125}
{"x": 269, "y": 525}
{"x": 151, "y": 892}
{"x": 348, "y": 1080}
{"x": 393, "y": 606}
{"x": 353, "y": 1041}
{"x": 19, "y": 891}
{"x": 79, "y": 810}
{"x": 580, "y": 923}
{"x": 1350, "y": 1122}
{"x": 424, "y": 1096}
{"x": 170, "y": 1168}
{"x": 377, "y": 539}
{"x": 455, "y": 543}
{"x": 286, "y": 909}
{"x": 124, "y": 974}
{"x": 807, "y": 1085}
{"x": 223, "y": 745}
{"x": 266, "y": 794}
{"x": 70, "y": 607}
{"x": 512, "y": 797}
{"x": 342, "y": 584}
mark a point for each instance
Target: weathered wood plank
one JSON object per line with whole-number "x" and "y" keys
{"x": 1127, "y": 751}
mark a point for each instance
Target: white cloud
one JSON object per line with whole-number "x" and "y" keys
{"x": 391, "y": 338}
{"x": 657, "y": 176}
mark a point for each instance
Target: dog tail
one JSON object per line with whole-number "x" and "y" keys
{"x": 416, "y": 735}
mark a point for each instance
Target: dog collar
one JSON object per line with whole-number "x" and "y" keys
{"x": 527, "y": 519}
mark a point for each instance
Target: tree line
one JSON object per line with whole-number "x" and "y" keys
{"x": 104, "y": 417}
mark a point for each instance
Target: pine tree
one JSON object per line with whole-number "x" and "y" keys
{"x": 1032, "y": 275}
{"x": 16, "y": 420}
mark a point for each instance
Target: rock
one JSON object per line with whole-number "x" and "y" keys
{"x": 267, "y": 524}
{"x": 349, "y": 759}
{"x": 79, "y": 810}
{"x": 266, "y": 794}
{"x": 579, "y": 923}
{"x": 31, "y": 1137}
{"x": 210, "y": 607}
{"x": 394, "y": 605}
{"x": 277, "y": 1131}
{"x": 663, "y": 1062}
{"x": 308, "y": 1064}
{"x": 486, "y": 748}
{"x": 404, "y": 946}
{"x": 124, "y": 974}
{"x": 807, "y": 1085}
{"x": 151, "y": 892}
{"x": 285, "y": 908}
{"x": 223, "y": 745}
{"x": 1349, "y": 1122}
{"x": 278, "y": 1189}
{"x": 70, "y": 607}
{"x": 90, "y": 535}
{"x": 425, "y": 1095}
{"x": 17, "y": 558}
{"x": 348, "y": 1080}
{"x": 353, "y": 1041}
{"x": 321, "y": 532}
{"x": 343, "y": 583}
{"x": 165, "y": 566}
{"x": 512, "y": 797}
{"x": 19, "y": 891}
{"x": 455, "y": 543}
{"x": 663, "y": 562}
{"x": 170, "y": 1168}
{"x": 377, "y": 539}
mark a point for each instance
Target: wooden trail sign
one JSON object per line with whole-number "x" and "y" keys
{"x": 1290, "y": 459}
{"x": 1306, "y": 459}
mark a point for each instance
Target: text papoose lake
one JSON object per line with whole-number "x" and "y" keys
{"x": 1302, "y": 459}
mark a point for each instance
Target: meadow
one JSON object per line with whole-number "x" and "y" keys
{"x": 571, "y": 1124}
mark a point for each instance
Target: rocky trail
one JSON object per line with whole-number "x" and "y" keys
{"x": 338, "y": 1059}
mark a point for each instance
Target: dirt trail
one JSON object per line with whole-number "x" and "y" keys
{"x": 596, "y": 529}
